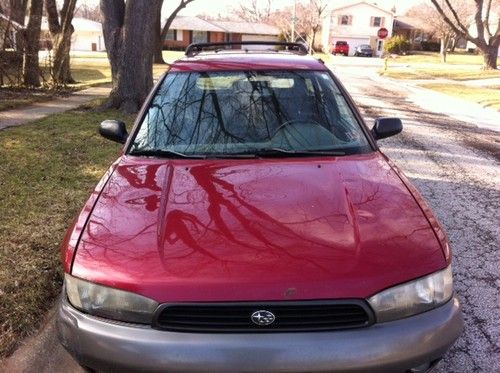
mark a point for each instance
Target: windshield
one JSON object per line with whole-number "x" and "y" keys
{"x": 248, "y": 113}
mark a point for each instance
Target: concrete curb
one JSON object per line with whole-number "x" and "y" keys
{"x": 41, "y": 352}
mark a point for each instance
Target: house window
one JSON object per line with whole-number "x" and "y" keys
{"x": 345, "y": 20}
{"x": 377, "y": 22}
{"x": 171, "y": 34}
{"x": 179, "y": 35}
{"x": 200, "y": 36}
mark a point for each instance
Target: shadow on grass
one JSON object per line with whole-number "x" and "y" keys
{"x": 82, "y": 75}
{"x": 48, "y": 169}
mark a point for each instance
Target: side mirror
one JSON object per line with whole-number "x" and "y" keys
{"x": 114, "y": 130}
{"x": 386, "y": 127}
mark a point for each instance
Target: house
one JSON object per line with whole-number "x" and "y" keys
{"x": 187, "y": 29}
{"x": 413, "y": 30}
{"x": 87, "y": 36}
{"x": 357, "y": 24}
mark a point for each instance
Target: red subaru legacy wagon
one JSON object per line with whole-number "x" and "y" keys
{"x": 252, "y": 224}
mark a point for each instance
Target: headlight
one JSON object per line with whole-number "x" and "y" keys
{"x": 107, "y": 302}
{"x": 413, "y": 297}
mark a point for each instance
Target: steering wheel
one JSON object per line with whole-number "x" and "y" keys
{"x": 295, "y": 121}
{"x": 300, "y": 134}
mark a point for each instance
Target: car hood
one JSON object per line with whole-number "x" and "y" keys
{"x": 263, "y": 229}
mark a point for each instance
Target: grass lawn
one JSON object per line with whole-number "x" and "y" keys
{"x": 460, "y": 66}
{"x": 457, "y": 58}
{"x": 458, "y": 74}
{"x": 48, "y": 170}
{"x": 486, "y": 96}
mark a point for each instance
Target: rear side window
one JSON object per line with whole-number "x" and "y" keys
{"x": 241, "y": 112}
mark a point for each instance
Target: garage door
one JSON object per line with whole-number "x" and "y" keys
{"x": 258, "y": 38}
{"x": 353, "y": 43}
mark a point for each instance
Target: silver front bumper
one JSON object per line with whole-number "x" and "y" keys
{"x": 387, "y": 347}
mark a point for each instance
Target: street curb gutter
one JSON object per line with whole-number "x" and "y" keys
{"x": 41, "y": 352}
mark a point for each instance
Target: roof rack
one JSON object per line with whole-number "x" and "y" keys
{"x": 298, "y": 48}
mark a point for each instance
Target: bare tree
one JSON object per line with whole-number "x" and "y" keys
{"x": 162, "y": 32}
{"x": 429, "y": 17}
{"x": 61, "y": 29}
{"x": 486, "y": 40}
{"x": 308, "y": 20}
{"x": 315, "y": 15}
{"x": 31, "y": 67}
{"x": 255, "y": 11}
{"x": 92, "y": 12}
{"x": 129, "y": 35}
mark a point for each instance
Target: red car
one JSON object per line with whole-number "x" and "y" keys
{"x": 251, "y": 224}
{"x": 341, "y": 47}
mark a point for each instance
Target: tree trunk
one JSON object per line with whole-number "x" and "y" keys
{"x": 313, "y": 41}
{"x": 444, "y": 48}
{"x": 18, "y": 10}
{"x": 158, "y": 44}
{"x": 490, "y": 56}
{"x": 61, "y": 72}
{"x": 129, "y": 34}
{"x": 61, "y": 32}
{"x": 453, "y": 45}
{"x": 31, "y": 67}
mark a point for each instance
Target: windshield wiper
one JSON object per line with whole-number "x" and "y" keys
{"x": 165, "y": 154}
{"x": 296, "y": 153}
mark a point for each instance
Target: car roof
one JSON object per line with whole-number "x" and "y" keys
{"x": 239, "y": 61}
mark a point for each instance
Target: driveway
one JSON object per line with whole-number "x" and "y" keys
{"x": 455, "y": 165}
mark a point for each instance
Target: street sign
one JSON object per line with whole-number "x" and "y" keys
{"x": 382, "y": 33}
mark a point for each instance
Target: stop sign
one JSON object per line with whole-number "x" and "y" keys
{"x": 382, "y": 33}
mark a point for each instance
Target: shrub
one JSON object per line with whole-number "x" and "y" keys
{"x": 397, "y": 45}
{"x": 431, "y": 46}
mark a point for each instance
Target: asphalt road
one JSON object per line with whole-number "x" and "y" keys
{"x": 455, "y": 165}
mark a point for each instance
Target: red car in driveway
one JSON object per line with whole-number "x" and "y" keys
{"x": 341, "y": 47}
{"x": 251, "y": 223}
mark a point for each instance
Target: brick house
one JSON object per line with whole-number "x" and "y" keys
{"x": 186, "y": 30}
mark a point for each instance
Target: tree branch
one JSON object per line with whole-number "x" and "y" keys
{"x": 465, "y": 34}
{"x": 170, "y": 18}
{"x": 52, "y": 17}
{"x": 487, "y": 19}
{"x": 67, "y": 12}
{"x": 457, "y": 18}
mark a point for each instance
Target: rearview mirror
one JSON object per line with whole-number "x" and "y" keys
{"x": 114, "y": 130}
{"x": 386, "y": 127}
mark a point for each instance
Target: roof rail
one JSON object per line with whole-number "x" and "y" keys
{"x": 298, "y": 48}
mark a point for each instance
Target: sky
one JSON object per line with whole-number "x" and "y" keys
{"x": 215, "y": 7}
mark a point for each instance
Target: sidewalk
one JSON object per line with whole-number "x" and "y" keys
{"x": 453, "y": 107}
{"x": 30, "y": 113}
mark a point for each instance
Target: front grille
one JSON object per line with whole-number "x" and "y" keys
{"x": 289, "y": 316}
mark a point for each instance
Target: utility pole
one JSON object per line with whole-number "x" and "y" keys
{"x": 294, "y": 19}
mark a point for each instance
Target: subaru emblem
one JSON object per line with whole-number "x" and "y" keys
{"x": 262, "y": 318}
